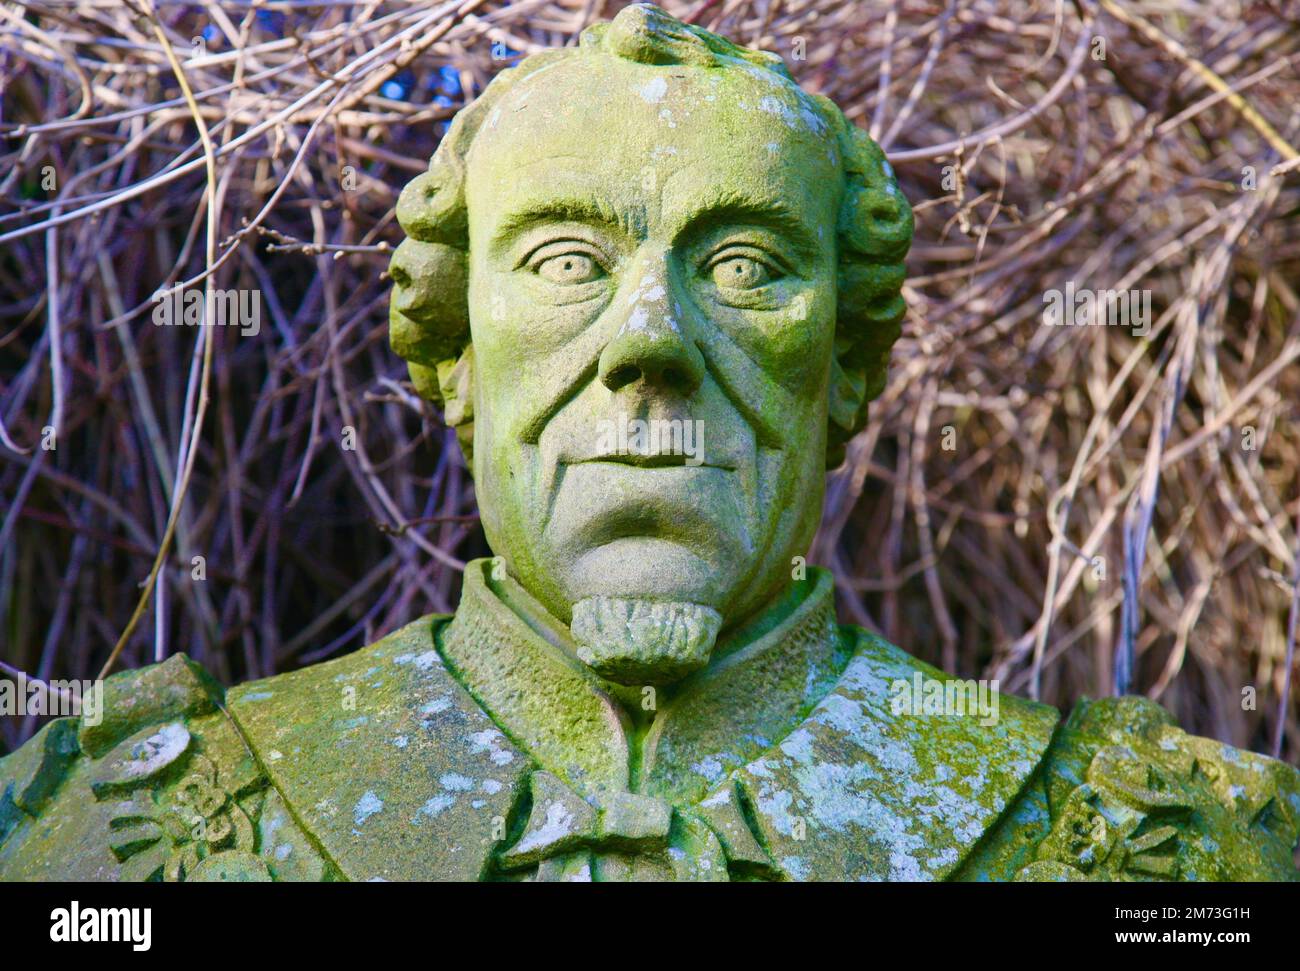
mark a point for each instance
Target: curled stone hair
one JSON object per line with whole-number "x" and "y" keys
{"x": 429, "y": 311}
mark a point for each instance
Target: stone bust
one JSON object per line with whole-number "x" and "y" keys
{"x": 653, "y": 285}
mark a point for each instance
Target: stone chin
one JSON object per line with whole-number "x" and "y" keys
{"x": 702, "y": 540}
{"x": 648, "y": 568}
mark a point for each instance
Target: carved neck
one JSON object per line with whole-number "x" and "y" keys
{"x": 522, "y": 667}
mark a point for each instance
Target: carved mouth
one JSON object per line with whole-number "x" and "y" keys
{"x": 662, "y": 460}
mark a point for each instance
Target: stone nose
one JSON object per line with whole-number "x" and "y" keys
{"x": 651, "y": 347}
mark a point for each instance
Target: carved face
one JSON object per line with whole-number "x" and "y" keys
{"x": 652, "y": 249}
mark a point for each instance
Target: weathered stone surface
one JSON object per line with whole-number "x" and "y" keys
{"x": 238, "y": 866}
{"x": 370, "y": 752}
{"x": 69, "y": 840}
{"x": 719, "y": 720}
{"x": 695, "y": 852}
{"x": 634, "y": 822}
{"x": 39, "y": 766}
{"x": 157, "y": 805}
{"x": 1136, "y": 798}
{"x": 723, "y": 813}
{"x": 859, "y": 792}
{"x": 287, "y": 852}
{"x": 133, "y": 700}
{"x": 559, "y": 823}
{"x": 386, "y": 760}
{"x": 542, "y": 696}
{"x": 567, "y": 868}
{"x": 141, "y": 760}
{"x": 10, "y": 814}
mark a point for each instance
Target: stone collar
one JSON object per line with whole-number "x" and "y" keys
{"x": 519, "y": 665}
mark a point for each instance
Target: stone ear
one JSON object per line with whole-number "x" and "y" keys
{"x": 428, "y": 315}
{"x": 451, "y": 383}
{"x": 869, "y": 315}
{"x": 456, "y": 379}
{"x": 428, "y": 326}
{"x": 429, "y": 308}
{"x": 874, "y": 232}
{"x": 846, "y": 405}
{"x": 431, "y": 207}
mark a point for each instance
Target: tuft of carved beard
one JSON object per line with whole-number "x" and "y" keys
{"x": 637, "y": 642}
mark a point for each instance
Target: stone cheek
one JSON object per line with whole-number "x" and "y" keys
{"x": 389, "y": 763}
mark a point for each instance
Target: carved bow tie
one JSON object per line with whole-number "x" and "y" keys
{"x": 628, "y": 836}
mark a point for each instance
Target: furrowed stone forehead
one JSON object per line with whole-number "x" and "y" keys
{"x": 614, "y": 99}
{"x": 654, "y": 143}
{"x": 652, "y": 39}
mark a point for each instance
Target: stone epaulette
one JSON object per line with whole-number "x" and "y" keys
{"x": 161, "y": 787}
{"x": 1124, "y": 794}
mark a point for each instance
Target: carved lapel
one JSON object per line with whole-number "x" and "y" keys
{"x": 386, "y": 760}
{"x": 859, "y": 792}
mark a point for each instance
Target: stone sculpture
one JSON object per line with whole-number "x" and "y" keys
{"x": 653, "y": 284}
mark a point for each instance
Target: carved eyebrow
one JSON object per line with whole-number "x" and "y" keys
{"x": 593, "y": 211}
{"x": 725, "y": 208}
{"x": 736, "y": 209}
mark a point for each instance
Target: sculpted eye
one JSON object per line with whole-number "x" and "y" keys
{"x": 741, "y": 271}
{"x": 568, "y": 268}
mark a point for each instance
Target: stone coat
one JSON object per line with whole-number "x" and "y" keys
{"x": 476, "y": 747}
